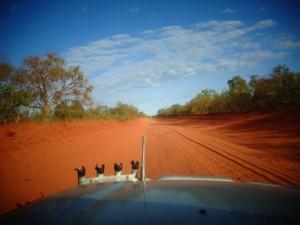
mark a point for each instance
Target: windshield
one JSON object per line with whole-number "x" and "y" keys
{"x": 214, "y": 89}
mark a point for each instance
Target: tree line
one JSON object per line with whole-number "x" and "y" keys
{"x": 45, "y": 88}
{"x": 280, "y": 89}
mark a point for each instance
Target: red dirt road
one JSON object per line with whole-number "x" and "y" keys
{"x": 39, "y": 158}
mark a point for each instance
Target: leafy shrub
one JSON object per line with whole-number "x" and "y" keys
{"x": 280, "y": 89}
{"x": 12, "y": 103}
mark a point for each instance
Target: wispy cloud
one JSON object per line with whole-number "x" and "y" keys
{"x": 263, "y": 24}
{"x": 134, "y": 10}
{"x": 262, "y": 8}
{"x": 228, "y": 11}
{"x": 124, "y": 62}
{"x": 287, "y": 43}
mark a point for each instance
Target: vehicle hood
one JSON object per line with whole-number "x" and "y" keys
{"x": 165, "y": 202}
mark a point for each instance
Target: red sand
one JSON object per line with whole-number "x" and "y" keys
{"x": 39, "y": 158}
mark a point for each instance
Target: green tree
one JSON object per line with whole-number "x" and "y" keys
{"x": 121, "y": 112}
{"x": 12, "y": 100}
{"x": 177, "y": 110}
{"x": 95, "y": 111}
{"x": 162, "y": 112}
{"x": 262, "y": 94}
{"x": 280, "y": 89}
{"x": 125, "y": 112}
{"x": 239, "y": 95}
{"x": 77, "y": 109}
{"x": 286, "y": 86}
{"x": 51, "y": 83}
{"x": 62, "y": 110}
{"x": 202, "y": 103}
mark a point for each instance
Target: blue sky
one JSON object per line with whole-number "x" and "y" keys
{"x": 153, "y": 54}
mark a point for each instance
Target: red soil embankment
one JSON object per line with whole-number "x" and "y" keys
{"x": 40, "y": 158}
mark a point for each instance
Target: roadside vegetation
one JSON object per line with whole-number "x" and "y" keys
{"x": 45, "y": 88}
{"x": 280, "y": 89}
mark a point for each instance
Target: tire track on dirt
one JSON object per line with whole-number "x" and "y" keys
{"x": 198, "y": 160}
{"x": 166, "y": 157}
{"x": 214, "y": 162}
{"x": 230, "y": 160}
{"x": 272, "y": 169}
{"x": 242, "y": 162}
